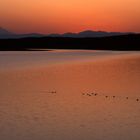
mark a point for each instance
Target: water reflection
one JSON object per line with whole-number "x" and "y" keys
{"x": 85, "y": 101}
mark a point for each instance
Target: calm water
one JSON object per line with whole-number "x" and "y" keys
{"x": 48, "y": 95}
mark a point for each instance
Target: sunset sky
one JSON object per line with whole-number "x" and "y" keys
{"x": 59, "y": 16}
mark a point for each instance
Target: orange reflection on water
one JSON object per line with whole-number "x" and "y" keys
{"x": 30, "y": 107}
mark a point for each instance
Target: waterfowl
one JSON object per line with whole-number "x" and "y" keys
{"x": 95, "y": 94}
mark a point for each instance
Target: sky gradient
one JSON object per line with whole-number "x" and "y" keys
{"x": 59, "y": 16}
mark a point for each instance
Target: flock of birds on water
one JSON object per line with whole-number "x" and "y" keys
{"x": 106, "y": 96}
{"x": 96, "y": 94}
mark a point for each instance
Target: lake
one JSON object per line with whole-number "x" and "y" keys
{"x": 70, "y": 95}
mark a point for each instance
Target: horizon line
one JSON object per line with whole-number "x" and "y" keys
{"x": 13, "y": 32}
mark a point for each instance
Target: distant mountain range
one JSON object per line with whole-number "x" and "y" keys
{"x": 5, "y": 34}
{"x": 92, "y": 40}
{"x": 88, "y": 33}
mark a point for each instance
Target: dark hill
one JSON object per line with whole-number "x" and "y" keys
{"x": 88, "y": 33}
{"x": 122, "y": 42}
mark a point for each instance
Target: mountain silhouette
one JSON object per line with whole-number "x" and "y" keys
{"x": 120, "y": 42}
{"x": 5, "y": 34}
{"x": 89, "y": 33}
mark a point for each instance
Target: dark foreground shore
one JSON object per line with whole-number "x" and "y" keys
{"x": 123, "y": 42}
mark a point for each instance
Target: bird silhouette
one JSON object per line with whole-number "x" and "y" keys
{"x": 95, "y": 94}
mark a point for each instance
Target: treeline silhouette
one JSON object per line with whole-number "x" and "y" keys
{"x": 122, "y": 42}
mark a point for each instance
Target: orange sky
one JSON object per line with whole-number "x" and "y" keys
{"x": 58, "y": 16}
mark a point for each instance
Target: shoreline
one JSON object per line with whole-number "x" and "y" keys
{"x": 129, "y": 42}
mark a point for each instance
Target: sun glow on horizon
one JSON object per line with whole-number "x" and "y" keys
{"x": 58, "y": 16}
